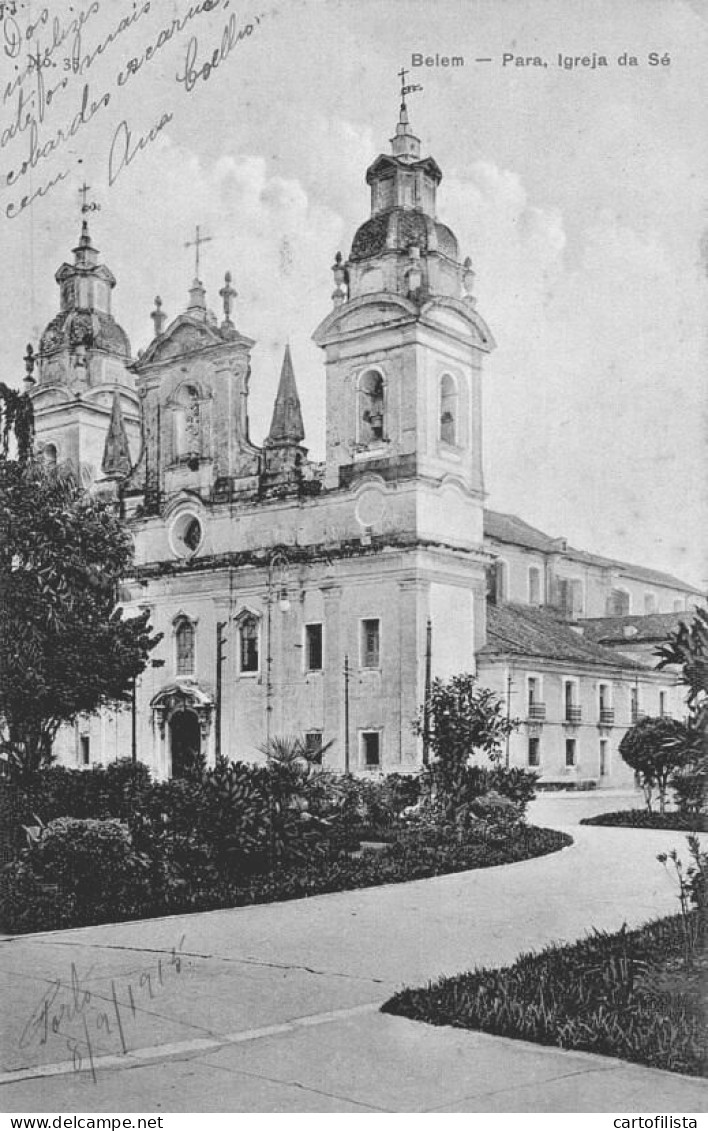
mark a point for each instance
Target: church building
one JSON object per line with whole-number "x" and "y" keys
{"x": 317, "y": 599}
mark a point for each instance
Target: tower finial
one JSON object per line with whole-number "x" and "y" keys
{"x": 228, "y": 294}
{"x": 158, "y": 316}
{"x": 406, "y": 89}
{"x": 405, "y": 144}
{"x": 29, "y": 360}
{"x": 86, "y": 207}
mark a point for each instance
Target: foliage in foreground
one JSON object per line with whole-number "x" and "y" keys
{"x": 625, "y": 994}
{"x": 65, "y": 648}
{"x": 643, "y": 819}
{"x": 41, "y": 892}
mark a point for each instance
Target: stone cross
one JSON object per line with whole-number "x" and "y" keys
{"x": 196, "y": 243}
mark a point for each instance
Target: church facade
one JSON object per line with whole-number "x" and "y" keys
{"x": 298, "y": 597}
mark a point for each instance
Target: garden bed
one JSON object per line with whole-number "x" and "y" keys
{"x": 404, "y": 860}
{"x": 631, "y": 994}
{"x": 643, "y": 819}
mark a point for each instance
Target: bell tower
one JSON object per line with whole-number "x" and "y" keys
{"x": 84, "y": 388}
{"x": 404, "y": 346}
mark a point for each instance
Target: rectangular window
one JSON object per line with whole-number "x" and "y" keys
{"x": 662, "y": 704}
{"x": 534, "y": 751}
{"x": 569, "y": 693}
{"x": 313, "y": 647}
{"x": 85, "y": 749}
{"x": 570, "y": 752}
{"x": 371, "y": 749}
{"x": 634, "y": 704}
{"x": 604, "y": 752}
{"x": 533, "y": 691}
{"x": 313, "y": 745}
{"x": 249, "y": 645}
{"x": 370, "y": 643}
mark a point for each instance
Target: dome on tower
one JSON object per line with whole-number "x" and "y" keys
{"x": 84, "y": 323}
{"x": 92, "y": 329}
{"x": 400, "y": 229}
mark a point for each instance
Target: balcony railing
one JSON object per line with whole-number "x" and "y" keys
{"x": 537, "y": 712}
{"x": 607, "y": 716}
{"x": 573, "y": 715}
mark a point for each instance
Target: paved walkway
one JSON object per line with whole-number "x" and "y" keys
{"x": 275, "y": 1008}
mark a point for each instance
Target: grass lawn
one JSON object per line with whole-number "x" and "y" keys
{"x": 643, "y": 819}
{"x": 631, "y": 994}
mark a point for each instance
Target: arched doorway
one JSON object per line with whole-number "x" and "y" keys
{"x": 185, "y": 743}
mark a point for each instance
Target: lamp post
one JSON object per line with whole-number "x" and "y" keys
{"x": 426, "y": 700}
{"x": 220, "y": 626}
{"x": 346, "y": 714}
{"x": 509, "y": 685}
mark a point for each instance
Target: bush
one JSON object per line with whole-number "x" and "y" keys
{"x": 182, "y": 877}
{"x": 656, "y": 748}
{"x": 643, "y": 819}
{"x": 98, "y": 793}
{"x": 690, "y": 786}
{"x": 78, "y": 872}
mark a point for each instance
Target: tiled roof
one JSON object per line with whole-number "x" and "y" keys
{"x": 629, "y": 630}
{"x": 522, "y": 630}
{"x": 510, "y": 528}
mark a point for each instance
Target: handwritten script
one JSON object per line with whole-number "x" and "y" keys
{"x": 69, "y": 71}
{"x": 86, "y": 1022}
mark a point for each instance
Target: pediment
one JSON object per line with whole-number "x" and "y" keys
{"x": 458, "y": 317}
{"x": 49, "y": 397}
{"x": 184, "y": 336}
{"x": 370, "y": 311}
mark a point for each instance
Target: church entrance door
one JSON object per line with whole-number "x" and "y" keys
{"x": 185, "y": 742}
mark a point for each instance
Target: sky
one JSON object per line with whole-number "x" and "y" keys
{"x": 579, "y": 192}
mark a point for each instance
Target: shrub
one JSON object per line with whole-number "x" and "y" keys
{"x": 643, "y": 819}
{"x": 655, "y": 749}
{"x": 98, "y": 793}
{"x": 182, "y": 878}
{"x": 79, "y": 871}
{"x": 690, "y": 786}
{"x": 460, "y": 719}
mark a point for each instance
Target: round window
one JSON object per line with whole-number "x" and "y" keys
{"x": 187, "y": 535}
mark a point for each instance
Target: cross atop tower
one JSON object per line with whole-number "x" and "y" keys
{"x": 85, "y": 206}
{"x": 196, "y": 243}
{"x": 406, "y": 89}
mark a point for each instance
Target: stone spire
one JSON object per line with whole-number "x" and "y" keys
{"x": 116, "y": 453}
{"x": 286, "y": 426}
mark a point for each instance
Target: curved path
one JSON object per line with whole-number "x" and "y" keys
{"x": 275, "y": 1008}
